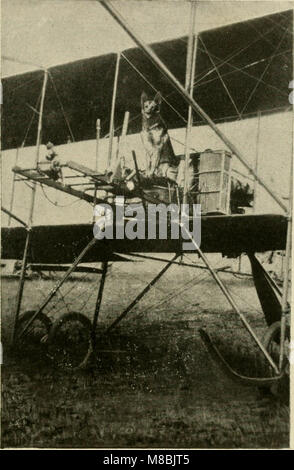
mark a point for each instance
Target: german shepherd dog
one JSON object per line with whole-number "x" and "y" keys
{"x": 160, "y": 155}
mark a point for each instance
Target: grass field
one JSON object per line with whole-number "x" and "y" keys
{"x": 153, "y": 385}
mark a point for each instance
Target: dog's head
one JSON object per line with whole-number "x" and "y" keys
{"x": 149, "y": 106}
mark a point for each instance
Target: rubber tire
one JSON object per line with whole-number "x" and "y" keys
{"x": 272, "y": 331}
{"x": 282, "y": 388}
{"x": 67, "y": 318}
{"x": 27, "y": 339}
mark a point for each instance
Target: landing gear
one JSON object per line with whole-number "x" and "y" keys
{"x": 271, "y": 342}
{"x": 70, "y": 342}
{"x": 36, "y": 335}
{"x": 72, "y": 339}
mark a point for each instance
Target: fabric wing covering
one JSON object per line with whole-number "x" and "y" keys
{"x": 253, "y": 59}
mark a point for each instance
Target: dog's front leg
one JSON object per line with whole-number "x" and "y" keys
{"x": 158, "y": 139}
{"x": 148, "y": 147}
{"x": 155, "y": 160}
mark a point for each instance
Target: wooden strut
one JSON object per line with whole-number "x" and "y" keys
{"x": 98, "y": 128}
{"x": 13, "y": 188}
{"x": 141, "y": 294}
{"x": 121, "y": 145}
{"x": 256, "y": 160}
{"x": 189, "y": 100}
{"x": 190, "y": 75}
{"x": 286, "y": 272}
{"x": 13, "y": 216}
{"x": 98, "y": 302}
{"x": 111, "y": 130}
{"x": 39, "y": 267}
{"x": 232, "y": 302}
{"x": 139, "y": 178}
{"x": 92, "y": 344}
{"x": 57, "y": 286}
{"x": 31, "y": 213}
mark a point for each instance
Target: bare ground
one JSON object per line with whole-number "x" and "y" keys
{"x": 153, "y": 383}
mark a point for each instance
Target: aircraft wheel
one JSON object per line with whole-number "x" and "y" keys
{"x": 271, "y": 342}
{"x": 70, "y": 342}
{"x": 36, "y": 336}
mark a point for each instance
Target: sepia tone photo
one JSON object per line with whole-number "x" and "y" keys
{"x": 146, "y": 224}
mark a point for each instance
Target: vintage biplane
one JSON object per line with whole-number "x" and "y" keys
{"x": 225, "y": 228}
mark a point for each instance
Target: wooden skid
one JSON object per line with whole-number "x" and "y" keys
{"x": 63, "y": 267}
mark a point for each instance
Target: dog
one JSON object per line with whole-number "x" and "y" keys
{"x": 160, "y": 156}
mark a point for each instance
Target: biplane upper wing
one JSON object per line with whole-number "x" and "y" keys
{"x": 250, "y": 45}
{"x": 230, "y": 235}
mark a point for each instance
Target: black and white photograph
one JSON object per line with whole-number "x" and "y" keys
{"x": 146, "y": 226}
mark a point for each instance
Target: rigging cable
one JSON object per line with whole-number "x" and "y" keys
{"x": 55, "y": 203}
{"x": 235, "y": 54}
{"x": 150, "y": 84}
{"x": 241, "y": 69}
{"x": 220, "y": 77}
{"x": 61, "y": 106}
{"x": 31, "y": 122}
{"x": 263, "y": 73}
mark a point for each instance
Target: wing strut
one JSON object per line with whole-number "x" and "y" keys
{"x": 142, "y": 293}
{"x": 212, "y": 348}
{"x": 31, "y": 212}
{"x": 189, "y": 99}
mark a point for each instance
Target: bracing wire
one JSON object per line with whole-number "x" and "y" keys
{"x": 61, "y": 106}
{"x": 262, "y": 75}
{"x": 220, "y": 77}
{"x": 24, "y": 84}
{"x": 152, "y": 86}
{"x": 241, "y": 69}
{"x": 55, "y": 203}
{"x": 31, "y": 122}
{"x": 235, "y": 54}
{"x": 183, "y": 288}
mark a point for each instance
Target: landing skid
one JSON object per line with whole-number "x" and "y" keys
{"x": 232, "y": 374}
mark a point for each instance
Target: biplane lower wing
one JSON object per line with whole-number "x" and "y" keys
{"x": 230, "y": 235}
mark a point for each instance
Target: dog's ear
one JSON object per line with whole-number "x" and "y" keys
{"x": 157, "y": 98}
{"x": 144, "y": 98}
